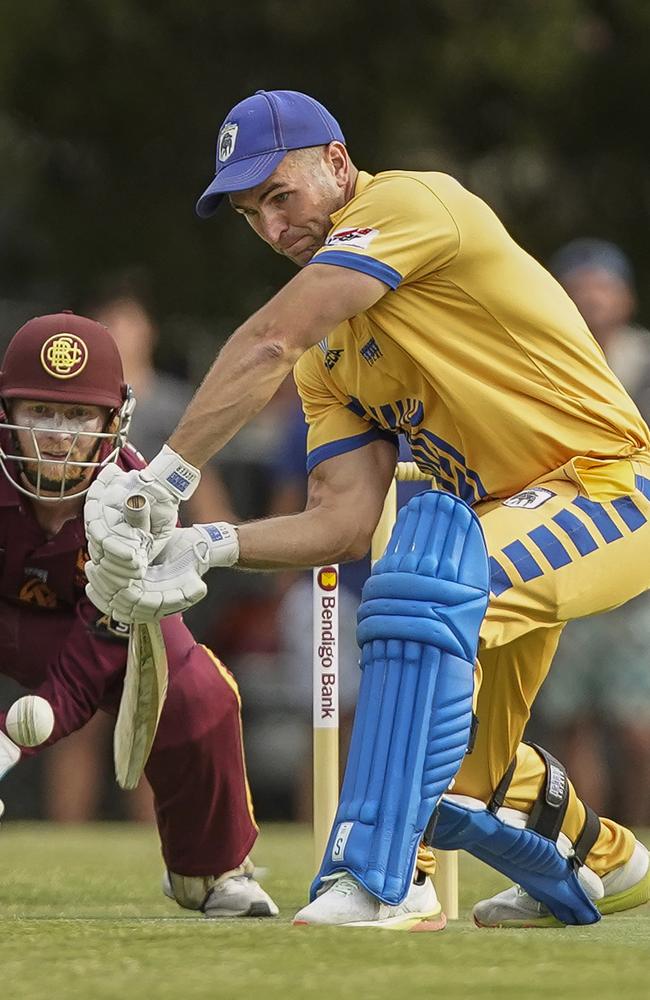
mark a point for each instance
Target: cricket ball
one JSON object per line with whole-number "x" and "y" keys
{"x": 30, "y": 721}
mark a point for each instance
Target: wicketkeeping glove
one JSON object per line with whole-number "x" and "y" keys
{"x": 9, "y": 755}
{"x": 173, "y": 582}
{"x": 165, "y": 481}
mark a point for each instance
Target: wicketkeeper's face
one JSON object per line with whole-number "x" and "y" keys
{"x": 55, "y": 440}
{"x": 291, "y": 209}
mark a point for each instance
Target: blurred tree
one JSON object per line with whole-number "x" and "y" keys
{"x": 109, "y": 110}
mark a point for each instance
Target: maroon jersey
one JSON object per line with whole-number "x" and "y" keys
{"x": 55, "y": 643}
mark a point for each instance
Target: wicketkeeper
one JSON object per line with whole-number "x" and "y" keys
{"x": 66, "y": 415}
{"x": 416, "y": 313}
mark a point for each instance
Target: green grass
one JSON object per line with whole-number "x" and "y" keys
{"x": 81, "y": 916}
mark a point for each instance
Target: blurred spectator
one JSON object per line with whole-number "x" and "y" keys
{"x": 595, "y": 705}
{"x": 599, "y": 278}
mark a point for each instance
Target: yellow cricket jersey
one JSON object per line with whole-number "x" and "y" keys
{"x": 475, "y": 352}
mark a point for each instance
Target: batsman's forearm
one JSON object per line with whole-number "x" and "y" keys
{"x": 246, "y": 374}
{"x": 300, "y": 541}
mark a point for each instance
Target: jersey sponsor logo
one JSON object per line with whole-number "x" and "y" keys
{"x": 107, "y": 628}
{"x": 361, "y": 237}
{"x": 64, "y": 355}
{"x": 371, "y": 351}
{"x": 226, "y": 141}
{"x": 36, "y": 571}
{"x": 529, "y": 498}
{"x": 36, "y": 592}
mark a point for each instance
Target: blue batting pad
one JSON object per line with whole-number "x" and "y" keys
{"x": 530, "y": 860}
{"x": 418, "y": 628}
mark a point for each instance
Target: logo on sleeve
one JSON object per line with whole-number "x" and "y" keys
{"x": 332, "y": 357}
{"x": 361, "y": 238}
{"x": 529, "y": 498}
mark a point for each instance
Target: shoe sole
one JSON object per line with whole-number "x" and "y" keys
{"x": 254, "y": 910}
{"x": 421, "y": 922}
{"x": 636, "y": 895}
{"x": 628, "y": 899}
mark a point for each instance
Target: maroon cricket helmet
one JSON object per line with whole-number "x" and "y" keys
{"x": 63, "y": 358}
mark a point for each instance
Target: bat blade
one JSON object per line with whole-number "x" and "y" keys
{"x": 145, "y": 681}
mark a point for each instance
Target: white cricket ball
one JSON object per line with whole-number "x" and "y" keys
{"x": 30, "y": 721}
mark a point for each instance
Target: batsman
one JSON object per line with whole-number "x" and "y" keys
{"x": 66, "y": 415}
{"x": 414, "y": 312}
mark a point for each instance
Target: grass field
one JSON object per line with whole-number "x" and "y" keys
{"x": 81, "y": 916}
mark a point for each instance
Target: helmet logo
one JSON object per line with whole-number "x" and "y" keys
{"x": 226, "y": 141}
{"x": 64, "y": 355}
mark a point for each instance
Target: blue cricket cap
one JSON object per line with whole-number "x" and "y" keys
{"x": 256, "y": 136}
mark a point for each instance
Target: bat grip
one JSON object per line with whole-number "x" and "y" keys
{"x": 137, "y": 511}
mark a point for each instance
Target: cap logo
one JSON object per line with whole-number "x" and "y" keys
{"x": 226, "y": 141}
{"x": 64, "y": 355}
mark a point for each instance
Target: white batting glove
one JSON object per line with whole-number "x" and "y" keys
{"x": 165, "y": 481}
{"x": 174, "y": 582}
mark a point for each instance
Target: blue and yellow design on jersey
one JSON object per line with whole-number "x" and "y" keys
{"x": 475, "y": 353}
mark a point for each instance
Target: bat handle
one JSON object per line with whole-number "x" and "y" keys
{"x": 137, "y": 511}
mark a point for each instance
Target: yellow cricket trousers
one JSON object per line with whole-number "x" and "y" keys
{"x": 575, "y": 543}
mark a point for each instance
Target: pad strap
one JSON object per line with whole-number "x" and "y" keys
{"x": 587, "y": 837}
{"x": 500, "y": 792}
{"x": 549, "y": 809}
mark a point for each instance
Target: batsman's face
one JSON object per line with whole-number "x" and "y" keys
{"x": 55, "y": 434}
{"x": 291, "y": 209}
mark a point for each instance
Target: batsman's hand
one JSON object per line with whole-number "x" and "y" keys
{"x": 127, "y": 551}
{"x": 173, "y": 582}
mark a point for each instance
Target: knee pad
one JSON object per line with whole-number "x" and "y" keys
{"x": 418, "y": 627}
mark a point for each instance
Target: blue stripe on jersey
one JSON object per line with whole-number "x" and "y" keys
{"x": 521, "y": 558}
{"x": 356, "y": 406}
{"x": 460, "y": 458}
{"x": 597, "y": 513}
{"x": 576, "y": 531}
{"x": 550, "y": 546}
{"x": 643, "y": 485}
{"x": 499, "y": 579}
{"x": 359, "y": 262}
{"x": 343, "y": 445}
{"x": 628, "y": 511}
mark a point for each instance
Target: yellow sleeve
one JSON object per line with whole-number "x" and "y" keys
{"x": 335, "y": 424}
{"x": 396, "y": 230}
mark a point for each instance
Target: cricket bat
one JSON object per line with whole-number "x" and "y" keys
{"x": 145, "y": 681}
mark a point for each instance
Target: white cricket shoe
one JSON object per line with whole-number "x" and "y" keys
{"x": 234, "y": 894}
{"x": 345, "y": 903}
{"x": 621, "y": 889}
